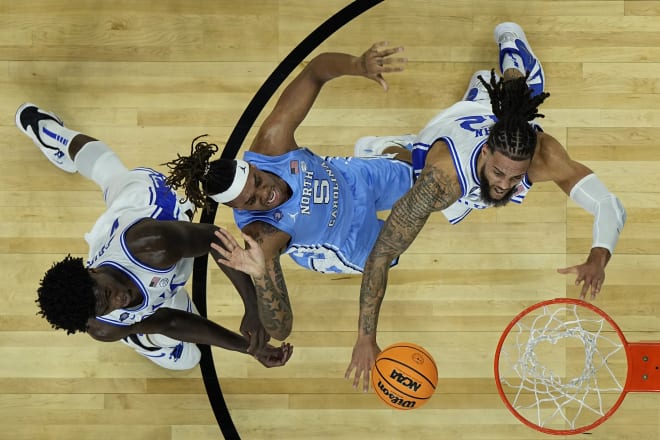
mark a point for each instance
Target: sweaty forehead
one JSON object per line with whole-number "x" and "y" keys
{"x": 509, "y": 166}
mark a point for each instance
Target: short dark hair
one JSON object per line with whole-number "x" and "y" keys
{"x": 514, "y": 106}
{"x": 66, "y": 295}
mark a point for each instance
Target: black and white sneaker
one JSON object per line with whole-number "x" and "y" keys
{"x": 28, "y": 117}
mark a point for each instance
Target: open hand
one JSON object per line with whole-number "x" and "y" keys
{"x": 250, "y": 259}
{"x": 377, "y": 60}
{"x": 589, "y": 274}
{"x": 364, "y": 356}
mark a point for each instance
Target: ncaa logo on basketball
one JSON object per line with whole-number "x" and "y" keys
{"x": 404, "y": 380}
{"x": 404, "y": 376}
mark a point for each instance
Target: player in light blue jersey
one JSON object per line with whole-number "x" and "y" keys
{"x": 321, "y": 211}
{"x": 141, "y": 250}
{"x": 484, "y": 151}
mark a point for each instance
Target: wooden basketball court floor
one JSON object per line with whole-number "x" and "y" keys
{"x": 147, "y": 77}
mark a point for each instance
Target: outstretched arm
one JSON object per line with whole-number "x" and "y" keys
{"x": 188, "y": 327}
{"x": 436, "y": 189}
{"x": 276, "y": 135}
{"x": 161, "y": 244}
{"x": 177, "y": 324}
{"x": 552, "y": 163}
{"x": 261, "y": 259}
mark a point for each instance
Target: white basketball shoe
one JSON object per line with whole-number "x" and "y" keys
{"x": 476, "y": 91}
{"x": 511, "y": 39}
{"x": 33, "y": 121}
{"x": 372, "y": 146}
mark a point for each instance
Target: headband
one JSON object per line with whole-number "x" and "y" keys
{"x": 234, "y": 190}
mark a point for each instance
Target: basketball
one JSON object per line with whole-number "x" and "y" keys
{"x": 404, "y": 376}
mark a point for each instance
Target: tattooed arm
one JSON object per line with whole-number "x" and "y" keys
{"x": 272, "y": 294}
{"x": 261, "y": 260}
{"x": 273, "y": 300}
{"x": 436, "y": 189}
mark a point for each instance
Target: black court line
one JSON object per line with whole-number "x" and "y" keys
{"x": 265, "y": 92}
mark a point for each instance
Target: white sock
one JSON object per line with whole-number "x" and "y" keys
{"x": 54, "y": 135}
{"x": 98, "y": 162}
{"x": 512, "y": 61}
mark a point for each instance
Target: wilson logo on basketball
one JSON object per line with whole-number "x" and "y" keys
{"x": 404, "y": 380}
{"x": 404, "y": 376}
{"x": 396, "y": 400}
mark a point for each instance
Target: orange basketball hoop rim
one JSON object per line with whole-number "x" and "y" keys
{"x": 642, "y": 358}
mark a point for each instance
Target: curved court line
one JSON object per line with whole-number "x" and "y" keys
{"x": 265, "y": 92}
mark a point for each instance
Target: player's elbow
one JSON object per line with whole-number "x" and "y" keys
{"x": 101, "y": 337}
{"x": 166, "y": 320}
{"x": 612, "y": 209}
{"x": 280, "y": 331}
{"x": 105, "y": 333}
{"x": 280, "y": 334}
{"x": 623, "y": 215}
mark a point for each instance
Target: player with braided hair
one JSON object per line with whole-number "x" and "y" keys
{"x": 514, "y": 107}
{"x": 189, "y": 172}
{"x": 483, "y": 151}
{"x": 321, "y": 211}
{"x": 131, "y": 288}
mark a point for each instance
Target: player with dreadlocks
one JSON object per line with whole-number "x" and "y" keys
{"x": 484, "y": 151}
{"x": 199, "y": 175}
{"x": 131, "y": 288}
{"x": 321, "y": 211}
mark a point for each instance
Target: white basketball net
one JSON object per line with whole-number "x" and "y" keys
{"x": 562, "y": 366}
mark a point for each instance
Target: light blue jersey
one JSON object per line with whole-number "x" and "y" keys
{"x": 332, "y": 213}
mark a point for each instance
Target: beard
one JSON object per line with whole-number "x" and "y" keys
{"x": 485, "y": 193}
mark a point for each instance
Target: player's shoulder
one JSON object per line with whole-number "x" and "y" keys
{"x": 104, "y": 332}
{"x": 549, "y": 158}
{"x": 548, "y": 149}
{"x": 440, "y": 156}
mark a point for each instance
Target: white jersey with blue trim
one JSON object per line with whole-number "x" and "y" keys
{"x": 464, "y": 128}
{"x": 139, "y": 194}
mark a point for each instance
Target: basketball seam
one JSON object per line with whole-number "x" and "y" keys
{"x": 384, "y": 377}
{"x": 417, "y": 348}
{"x": 407, "y": 366}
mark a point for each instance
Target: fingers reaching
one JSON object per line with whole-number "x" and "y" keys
{"x": 567, "y": 270}
{"x": 365, "y": 380}
{"x": 229, "y": 243}
{"x": 378, "y": 60}
{"x": 249, "y": 259}
{"x": 589, "y": 276}
{"x": 585, "y": 289}
{"x": 358, "y": 374}
{"x": 226, "y": 238}
{"x": 356, "y": 379}
{"x": 347, "y": 374}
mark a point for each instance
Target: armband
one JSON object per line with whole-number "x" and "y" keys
{"x": 609, "y": 214}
